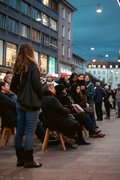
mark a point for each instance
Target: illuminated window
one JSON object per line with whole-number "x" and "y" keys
{"x": 45, "y": 19}
{"x": 36, "y": 56}
{"x": 53, "y": 24}
{"x": 99, "y": 66}
{"x": 116, "y": 66}
{"x": 110, "y": 66}
{"x": 35, "y": 35}
{"x": 1, "y": 52}
{"x": 45, "y": 2}
{"x": 10, "y": 54}
{"x": 52, "y": 64}
{"x": 25, "y": 31}
{"x": 36, "y": 14}
{"x": 43, "y": 64}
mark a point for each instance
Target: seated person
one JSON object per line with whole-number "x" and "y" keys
{"x": 57, "y": 117}
{"x": 82, "y": 117}
{"x": 8, "y": 112}
{"x": 7, "y": 106}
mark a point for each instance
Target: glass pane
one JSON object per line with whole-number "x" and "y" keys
{"x": 36, "y": 14}
{"x": 12, "y": 25}
{"x": 52, "y": 65}
{"x": 25, "y": 8}
{"x": 45, "y": 2}
{"x": 1, "y": 52}
{"x": 10, "y": 54}
{"x": 2, "y": 21}
{"x": 14, "y": 3}
{"x": 36, "y": 56}
{"x": 45, "y": 19}
{"x": 43, "y": 64}
{"x": 25, "y": 31}
{"x": 53, "y": 24}
{"x": 35, "y": 35}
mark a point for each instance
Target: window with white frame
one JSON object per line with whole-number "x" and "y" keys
{"x": 63, "y": 13}
{"x": 69, "y": 17}
{"x": 69, "y": 34}
{"x": 63, "y": 31}
{"x": 45, "y": 2}
{"x": 63, "y": 49}
{"x": 68, "y": 52}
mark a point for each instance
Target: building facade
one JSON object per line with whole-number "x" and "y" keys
{"x": 65, "y": 36}
{"x": 109, "y": 72}
{"x": 79, "y": 65}
{"x": 29, "y": 21}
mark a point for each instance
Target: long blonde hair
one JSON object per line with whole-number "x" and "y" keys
{"x": 25, "y": 56}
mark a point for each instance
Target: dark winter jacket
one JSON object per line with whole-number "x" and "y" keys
{"x": 8, "y": 110}
{"x": 99, "y": 94}
{"x": 57, "y": 117}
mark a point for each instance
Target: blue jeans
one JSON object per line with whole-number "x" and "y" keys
{"x": 26, "y": 125}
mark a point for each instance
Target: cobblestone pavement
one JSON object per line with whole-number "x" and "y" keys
{"x": 98, "y": 161}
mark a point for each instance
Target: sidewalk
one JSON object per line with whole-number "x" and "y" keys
{"x": 98, "y": 161}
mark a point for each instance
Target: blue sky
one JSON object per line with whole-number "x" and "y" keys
{"x": 102, "y": 31}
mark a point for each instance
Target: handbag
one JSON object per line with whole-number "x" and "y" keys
{"x": 27, "y": 97}
{"x": 77, "y": 108}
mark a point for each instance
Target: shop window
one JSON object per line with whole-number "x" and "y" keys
{"x": 1, "y": 52}
{"x": 2, "y": 21}
{"x": 43, "y": 64}
{"x": 25, "y": 8}
{"x": 36, "y": 56}
{"x": 35, "y": 35}
{"x": 52, "y": 65}
{"x": 25, "y": 31}
{"x": 12, "y": 25}
{"x": 45, "y": 19}
{"x": 53, "y": 24}
{"x": 10, "y": 54}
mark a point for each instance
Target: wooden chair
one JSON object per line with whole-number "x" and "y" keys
{"x": 46, "y": 138}
{"x": 5, "y": 136}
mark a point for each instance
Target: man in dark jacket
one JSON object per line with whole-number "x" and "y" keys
{"x": 7, "y": 106}
{"x": 98, "y": 98}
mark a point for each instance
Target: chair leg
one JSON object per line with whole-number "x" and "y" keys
{"x": 3, "y": 136}
{"x": 45, "y": 142}
{"x": 62, "y": 141}
{"x": 8, "y": 133}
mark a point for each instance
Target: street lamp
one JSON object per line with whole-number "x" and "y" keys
{"x": 99, "y": 9}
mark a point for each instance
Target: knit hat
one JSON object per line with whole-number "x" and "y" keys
{"x": 49, "y": 75}
{"x": 63, "y": 75}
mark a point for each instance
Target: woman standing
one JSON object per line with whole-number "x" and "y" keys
{"x": 26, "y": 69}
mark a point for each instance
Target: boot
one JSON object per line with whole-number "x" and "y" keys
{"x": 20, "y": 156}
{"x": 29, "y": 161}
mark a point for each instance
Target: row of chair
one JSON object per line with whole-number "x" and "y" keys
{"x": 7, "y": 132}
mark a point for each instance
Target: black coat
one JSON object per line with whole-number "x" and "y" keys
{"x": 57, "y": 117}
{"x": 8, "y": 110}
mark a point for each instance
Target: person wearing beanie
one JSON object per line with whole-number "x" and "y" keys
{"x": 50, "y": 79}
{"x": 64, "y": 80}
